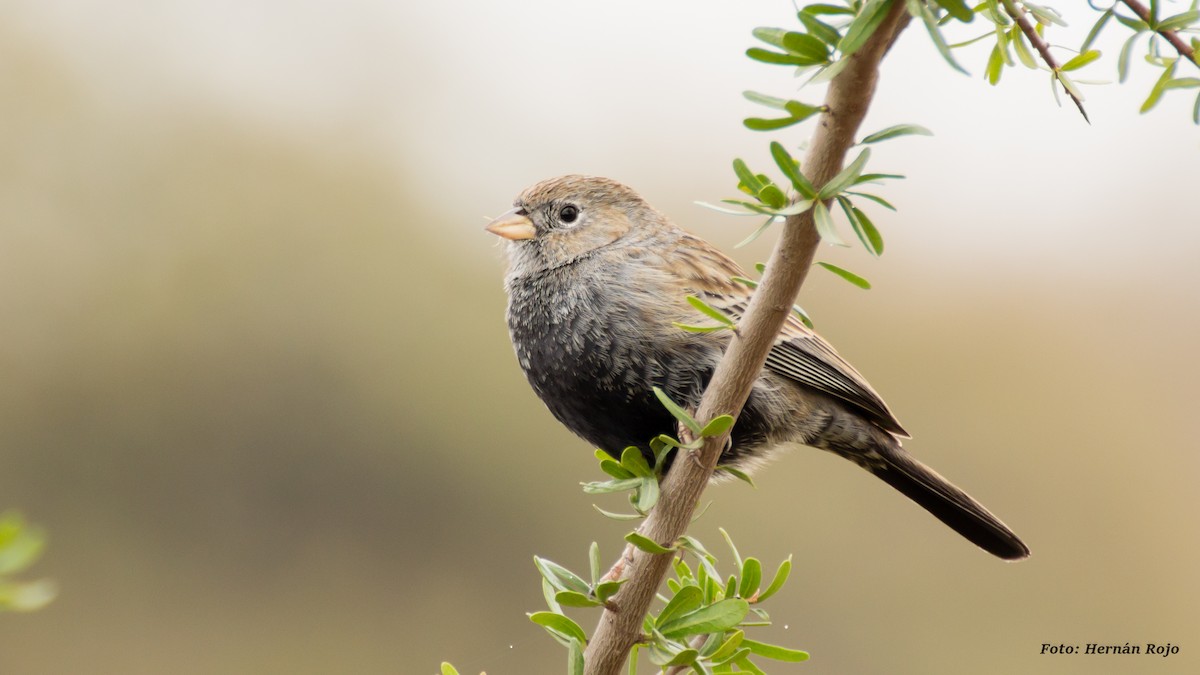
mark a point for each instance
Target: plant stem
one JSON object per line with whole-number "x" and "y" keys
{"x": 846, "y": 101}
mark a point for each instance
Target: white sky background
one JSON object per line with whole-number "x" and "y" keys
{"x": 474, "y": 100}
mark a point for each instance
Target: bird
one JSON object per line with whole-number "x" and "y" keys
{"x": 597, "y": 283}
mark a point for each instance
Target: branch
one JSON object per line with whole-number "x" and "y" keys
{"x": 1171, "y": 36}
{"x": 1020, "y": 16}
{"x": 846, "y": 102}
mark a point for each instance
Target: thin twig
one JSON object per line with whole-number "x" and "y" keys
{"x": 1019, "y": 15}
{"x": 1171, "y": 36}
{"x": 847, "y": 98}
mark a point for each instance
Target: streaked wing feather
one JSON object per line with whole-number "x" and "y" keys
{"x": 800, "y": 354}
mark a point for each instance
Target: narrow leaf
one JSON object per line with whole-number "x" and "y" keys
{"x": 709, "y": 311}
{"x": 575, "y": 599}
{"x": 781, "y": 577}
{"x": 846, "y": 176}
{"x": 717, "y": 426}
{"x": 763, "y": 99}
{"x": 791, "y": 168}
{"x": 921, "y": 10}
{"x": 751, "y": 577}
{"x": 957, "y": 9}
{"x": 559, "y": 624}
{"x": 825, "y": 226}
{"x": 847, "y": 275}
{"x": 775, "y": 652}
{"x": 746, "y": 176}
{"x": 819, "y": 29}
{"x": 717, "y": 617}
{"x": 646, "y": 544}
{"x": 618, "y": 516}
{"x": 688, "y": 599}
{"x": 1096, "y": 28}
{"x": 895, "y": 131}
{"x": 1081, "y": 60}
{"x": 676, "y": 411}
{"x": 863, "y": 26}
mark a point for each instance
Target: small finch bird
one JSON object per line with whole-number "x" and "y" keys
{"x": 595, "y": 282}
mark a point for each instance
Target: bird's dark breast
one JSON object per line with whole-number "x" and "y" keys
{"x": 593, "y": 358}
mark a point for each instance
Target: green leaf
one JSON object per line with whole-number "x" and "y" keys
{"x": 559, "y": 625}
{"x": 827, "y": 73}
{"x": 820, "y": 9}
{"x": 863, "y": 26}
{"x": 611, "y": 486}
{"x": 769, "y": 123}
{"x": 771, "y": 36}
{"x": 709, "y": 311}
{"x": 635, "y": 463}
{"x": 1080, "y": 61}
{"x": 772, "y": 196}
{"x": 807, "y": 46}
{"x": 1096, "y": 28}
{"x": 1159, "y": 87}
{"x": 594, "y": 562}
{"x": 781, "y": 577}
{"x": 746, "y": 176}
{"x": 877, "y": 177}
{"x": 778, "y": 59}
{"x": 737, "y": 557}
{"x": 957, "y": 9}
{"x": 920, "y": 10}
{"x": 820, "y": 30}
{"x": 20, "y": 543}
{"x": 847, "y": 275}
{"x": 867, "y": 233}
{"x": 717, "y": 617}
{"x": 729, "y": 647}
{"x": 1123, "y": 58}
{"x": 846, "y": 176}
{"x": 791, "y": 168}
{"x": 875, "y": 198}
{"x": 688, "y": 599}
{"x": 775, "y": 652}
{"x": 618, "y": 516}
{"x": 614, "y": 469}
{"x": 756, "y": 233}
{"x": 751, "y": 577}
{"x": 1196, "y": 111}
{"x": 763, "y": 99}
{"x": 995, "y": 66}
{"x": 825, "y": 227}
{"x": 676, "y": 411}
{"x": 802, "y": 111}
{"x": 607, "y": 589}
{"x": 575, "y": 664}
{"x": 896, "y": 131}
{"x": 575, "y": 599}
{"x": 647, "y": 494}
{"x": 560, "y": 577}
{"x": 717, "y": 426}
{"x": 1179, "y": 21}
{"x": 646, "y": 544}
{"x": 1046, "y": 16}
{"x": 1022, "y": 48}
{"x": 736, "y": 472}
{"x": 448, "y": 669}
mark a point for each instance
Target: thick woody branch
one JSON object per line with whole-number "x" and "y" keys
{"x": 846, "y": 103}
{"x": 1020, "y": 16}
{"x": 1171, "y": 36}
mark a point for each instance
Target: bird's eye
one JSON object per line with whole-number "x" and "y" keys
{"x": 568, "y": 213}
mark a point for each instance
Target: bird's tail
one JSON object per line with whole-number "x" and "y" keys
{"x": 949, "y": 504}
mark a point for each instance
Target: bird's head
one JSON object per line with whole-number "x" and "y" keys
{"x": 561, "y": 220}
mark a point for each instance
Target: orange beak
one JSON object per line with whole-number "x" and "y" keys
{"x": 513, "y": 225}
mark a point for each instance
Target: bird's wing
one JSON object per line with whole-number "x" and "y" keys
{"x": 799, "y": 353}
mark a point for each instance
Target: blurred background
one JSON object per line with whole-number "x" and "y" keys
{"x": 259, "y": 390}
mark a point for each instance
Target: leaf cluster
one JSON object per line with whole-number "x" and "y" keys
{"x": 703, "y": 620}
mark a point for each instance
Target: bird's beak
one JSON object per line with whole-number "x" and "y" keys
{"x": 513, "y": 225}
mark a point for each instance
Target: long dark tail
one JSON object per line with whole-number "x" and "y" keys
{"x": 949, "y": 504}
